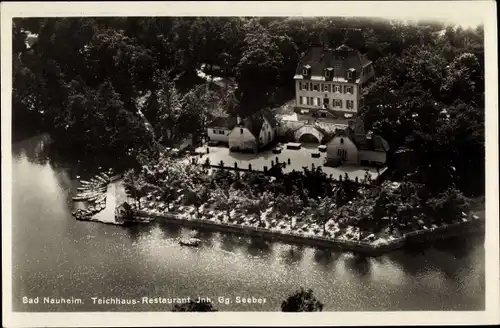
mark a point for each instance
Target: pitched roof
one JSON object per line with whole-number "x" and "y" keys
{"x": 223, "y": 122}
{"x": 255, "y": 121}
{"x": 341, "y": 59}
{"x": 364, "y": 141}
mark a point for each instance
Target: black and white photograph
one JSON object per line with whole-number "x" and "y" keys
{"x": 204, "y": 158}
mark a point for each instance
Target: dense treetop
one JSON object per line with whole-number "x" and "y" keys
{"x": 116, "y": 86}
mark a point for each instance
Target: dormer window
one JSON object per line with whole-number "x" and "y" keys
{"x": 350, "y": 74}
{"x": 306, "y": 70}
{"x": 328, "y": 73}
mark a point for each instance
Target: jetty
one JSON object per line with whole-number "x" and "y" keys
{"x": 94, "y": 192}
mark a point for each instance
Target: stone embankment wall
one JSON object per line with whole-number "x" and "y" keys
{"x": 367, "y": 248}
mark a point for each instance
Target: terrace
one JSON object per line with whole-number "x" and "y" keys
{"x": 292, "y": 159}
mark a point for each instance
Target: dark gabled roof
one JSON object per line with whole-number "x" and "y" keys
{"x": 255, "y": 121}
{"x": 223, "y": 122}
{"x": 270, "y": 117}
{"x": 375, "y": 143}
{"x": 320, "y": 58}
{"x": 363, "y": 142}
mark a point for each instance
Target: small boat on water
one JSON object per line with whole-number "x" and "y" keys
{"x": 115, "y": 177}
{"x": 192, "y": 242}
{"x": 101, "y": 199}
{"x": 101, "y": 179}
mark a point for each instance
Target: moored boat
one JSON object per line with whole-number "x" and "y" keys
{"x": 191, "y": 242}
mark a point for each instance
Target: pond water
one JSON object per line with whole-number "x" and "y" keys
{"x": 56, "y": 256}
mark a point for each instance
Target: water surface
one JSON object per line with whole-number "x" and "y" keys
{"x": 56, "y": 256}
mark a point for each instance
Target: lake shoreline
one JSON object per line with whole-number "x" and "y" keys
{"x": 362, "y": 247}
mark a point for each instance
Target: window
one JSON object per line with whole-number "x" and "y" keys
{"x": 306, "y": 86}
{"x": 307, "y": 100}
{"x": 318, "y": 101}
{"x": 300, "y": 100}
{"x": 326, "y": 102}
{"x": 214, "y": 131}
{"x": 304, "y": 71}
{"x": 300, "y": 85}
{"x": 337, "y": 88}
{"x": 323, "y": 87}
{"x": 348, "y": 89}
{"x": 349, "y": 104}
{"x": 341, "y": 152}
{"x": 341, "y": 141}
{"x": 338, "y": 103}
{"x": 349, "y": 74}
{"x": 241, "y": 131}
{"x": 316, "y": 87}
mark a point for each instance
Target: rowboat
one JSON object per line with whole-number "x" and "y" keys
{"x": 191, "y": 242}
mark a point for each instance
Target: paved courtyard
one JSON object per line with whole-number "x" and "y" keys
{"x": 298, "y": 159}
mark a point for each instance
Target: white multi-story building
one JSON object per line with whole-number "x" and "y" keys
{"x": 329, "y": 82}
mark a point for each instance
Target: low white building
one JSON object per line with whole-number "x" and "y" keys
{"x": 219, "y": 129}
{"x": 354, "y": 146}
{"x": 254, "y": 132}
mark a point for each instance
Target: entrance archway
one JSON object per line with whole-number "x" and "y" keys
{"x": 309, "y": 138}
{"x": 308, "y": 134}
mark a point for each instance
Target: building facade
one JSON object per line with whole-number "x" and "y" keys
{"x": 254, "y": 132}
{"x": 329, "y": 82}
{"x": 219, "y": 129}
{"x": 355, "y": 147}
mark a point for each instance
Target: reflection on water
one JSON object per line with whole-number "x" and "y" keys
{"x": 55, "y": 255}
{"x": 293, "y": 254}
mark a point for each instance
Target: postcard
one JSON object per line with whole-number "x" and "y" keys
{"x": 249, "y": 160}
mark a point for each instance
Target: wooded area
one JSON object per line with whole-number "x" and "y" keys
{"x": 86, "y": 81}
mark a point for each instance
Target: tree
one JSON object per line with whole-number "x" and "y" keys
{"x": 135, "y": 186}
{"x": 259, "y": 203}
{"x": 289, "y": 205}
{"x": 302, "y": 301}
{"x": 447, "y": 206}
{"x": 261, "y": 61}
{"x": 226, "y": 199}
{"x": 192, "y": 306}
{"x": 197, "y": 197}
{"x": 464, "y": 79}
{"x": 322, "y": 211}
